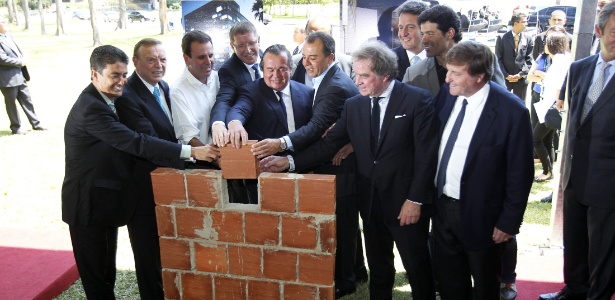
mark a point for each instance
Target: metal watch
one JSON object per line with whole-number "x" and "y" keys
{"x": 283, "y": 145}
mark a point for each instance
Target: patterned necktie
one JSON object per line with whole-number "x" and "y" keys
{"x": 256, "y": 74}
{"x": 282, "y": 105}
{"x": 516, "y": 42}
{"x": 112, "y": 105}
{"x": 296, "y": 50}
{"x": 448, "y": 149}
{"x": 375, "y": 120}
{"x": 594, "y": 91}
{"x": 157, "y": 96}
{"x": 414, "y": 60}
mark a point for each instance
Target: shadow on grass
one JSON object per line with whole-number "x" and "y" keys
{"x": 125, "y": 288}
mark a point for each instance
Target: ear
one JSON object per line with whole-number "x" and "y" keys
{"x": 187, "y": 60}
{"x": 94, "y": 74}
{"x": 480, "y": 77}
{"x": 134, "y": 61}
{"x": 331, "y": 57}
{"x": 450, "y": 33}
{"x": 598, "y": 31}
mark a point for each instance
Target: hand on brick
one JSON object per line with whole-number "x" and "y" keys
{"x": 266, "y": 147}
{"x": 208, "y": 153}
{"x": 237, "y": 134}
{"x": 342, "y": 154}
{"x": 274, "y": 164}
{"x": 219, "y": 134}
{"x": 409, "y": 214}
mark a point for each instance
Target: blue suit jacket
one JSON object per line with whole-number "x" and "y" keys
{"x": 499, "y": 169}
{"x": 259, "y": 111}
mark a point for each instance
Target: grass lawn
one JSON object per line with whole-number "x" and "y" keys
{"x": 32, "y": 165}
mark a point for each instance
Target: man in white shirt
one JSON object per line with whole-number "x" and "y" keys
{"x": 194, "y": 93}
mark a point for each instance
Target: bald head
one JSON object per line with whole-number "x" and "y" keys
{"x": 558, "y": 17}
{"x": 318, "y": 24}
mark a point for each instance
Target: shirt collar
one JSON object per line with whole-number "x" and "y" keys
{"x": 193, "y": 81}
{"x": 107, "y": 99}
{"x": 285, "y": 90}
{"x": 422, "y": 55}
{"x": 478, "y": 97}
{"x": 318, "y": 79}
{"x": 147, "y": 85}
{"x": 387, "y": 92}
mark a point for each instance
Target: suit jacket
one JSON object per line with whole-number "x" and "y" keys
{"x": 261, "y": 114}
{"x": 499, "y": 169}
{"x": 539, "y": 44}
{"x": 590, "y": 146}
{"x": 98, "y": 188}
{"x": 329, "y": 100}
{"x": 344, "y": 62}
{"x": 403, "y": 166}
{"x": 402, "y": 62}
{"x": 423, "y": 74}
{"x": 513, "y": 61}
{"x": 232, "y": 75}
{"x": 10, "y": 64}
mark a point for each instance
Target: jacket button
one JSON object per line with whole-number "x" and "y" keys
{"x": 375, "y": 162}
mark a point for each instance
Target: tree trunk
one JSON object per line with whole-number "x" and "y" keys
{"x": 26, "y": 14}
{"x": 164, "y": 23}
{"x": 14, "y": 4}
{"x": 94, "y": 22}
{"x": 12, "y": 14}
{"x": 59, "y": 20}
{"x": 123, "y": 20}
{"x": 41, "y": 12}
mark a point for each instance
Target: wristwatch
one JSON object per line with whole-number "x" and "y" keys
{"x": 283, "y": 145}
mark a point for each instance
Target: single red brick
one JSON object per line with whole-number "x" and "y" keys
{"x": 164, "y": 219}
{"x": 230, "y": 288}
{"x": 327, "y": 236}
{"x": 298, "y": 232}
{"x": 197, "y": 286}
{"x": 316, "y": 268}
{"x": 228, "y": 225}
{"x": 316, "y": 194}
{"x": 170, "y": 282}
{"x": 263, "y": 290}
{"x": 193, "y": 223}
{"x": 246, "y": 261}
{"x": 280, "y": 264}
{"x": 300, "y": 292}
{"x": 203, "y": 187}
{"x": 277, "y": 192}
{"x": 211, "y": 257}
{"x": 175, "y": 254}
{"x": 327, "y": 293}
{"x": 168, "y": 185}
{"x": 239, "y": 163}
{"x": 262, "y": 228}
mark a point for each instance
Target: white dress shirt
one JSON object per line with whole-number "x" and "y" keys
{"x": 474, "y": 110}
{"x": 422, "y": 55}
{"x": 192, "y": 102}
{"x": 290, "y": 116}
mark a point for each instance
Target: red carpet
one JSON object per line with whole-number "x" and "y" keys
{"x": 35, "y": 264}
{"x": 538, "y": 275}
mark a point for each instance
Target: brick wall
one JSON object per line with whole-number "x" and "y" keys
{"x": 282, "y": 248}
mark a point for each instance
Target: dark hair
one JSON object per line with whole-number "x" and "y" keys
{"x": 194, "y": 36}
{"x": 106, "y": 55}
{"x": 556, "y": 28}
{"x": 383, "y": 61}
{"x": 241, "y": 28}
{"x": 328, "y": 43}
{"x": 278, "y": 49}
{"x": 445, "y": 17}
{"x": 557, "y": 42}
{"x": 517, "y": 17}
{"x": 476, "y": 56}
{"x": 146, "y": 42}
{"x": 412, "y": 7}
{"x": 605, "y": 14}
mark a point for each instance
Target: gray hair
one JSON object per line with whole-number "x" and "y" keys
{"x": 383, "y": 61}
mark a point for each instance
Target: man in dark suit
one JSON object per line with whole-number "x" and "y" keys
{"x": 514, "y": 54}
{"x": 99, "y": 193}
{"x": 333, "y": 87}
{"x": 396, "y": 164}
{"x": 409, "y": 34}
{"x": 485, "y": 173}
{"x": 13, "y": 77}
{"x": 588, "y": 178}
{"x": 558, "y": 17}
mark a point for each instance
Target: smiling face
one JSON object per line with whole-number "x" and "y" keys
{"x": 151, "y": 63}
{"x": 434, "y": 41}
{"x": 461, "y": 82}
{"x": 314, "y": 59}
{"x": 409, "y": 33}
{"x": 276, "y": 70}
{"x": 367, "y": 81}
{"x": 112, "y": 79}
{"x": 246, "y": 47}
{"x": 201, "y": 60}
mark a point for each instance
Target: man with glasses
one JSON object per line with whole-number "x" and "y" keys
{"x": 514, "y": 53}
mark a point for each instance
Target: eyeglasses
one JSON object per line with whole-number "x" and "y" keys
{"x": 244, "y": 46}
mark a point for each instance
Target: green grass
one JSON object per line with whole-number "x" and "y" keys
{"x": 125, "y": 288}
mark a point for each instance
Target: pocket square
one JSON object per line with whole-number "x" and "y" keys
{"x": 400, "y": 116}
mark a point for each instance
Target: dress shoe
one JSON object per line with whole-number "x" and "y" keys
{"x": 561, "y": 295}
{"x": 18, "y": 132}
{"x": 547, "y": 199}
{"x": 39, "y": 128}
{"x": 508, "y": 291}
{"x": 538, "y": 179}
{"x": 339, "y": 293}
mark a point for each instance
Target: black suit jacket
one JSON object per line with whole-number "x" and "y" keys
{"x": 259, "y": 111}
{"x": 590, "y": 146}
{"x": 513, "y": 61}
{"x": 329, "y": 100}
{"x": 402, "y": 62}
{"x": 98, "y": 188}
{"x": 403, "y": 167}
{"x": 499, "y": 169}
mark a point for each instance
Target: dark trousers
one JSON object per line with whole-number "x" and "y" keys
{"x": 22, "y": 95}
{"x": 411, "y": 241}
{"x": 509, "y": 261}
{"x": 589, "y": 240}
{"x": 143, "y": 233}
{"x": 543, "y": 146}
{"x": 456, "y": 266}
{"x": 533, "y": 116}
{"x": 518, "y": 88}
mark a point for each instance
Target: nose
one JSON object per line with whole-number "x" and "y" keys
{"x": 448, "y": 77}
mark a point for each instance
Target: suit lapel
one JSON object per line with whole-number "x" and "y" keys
{"x": 273, "y": 102}
{"x": 445, "y": 112}
{"x": 606, "y": 95}
{"x": 243, "y": 69}
{"x": 484, "y": 125}
{"x": 152, "y": 104}
{"x": 328, "y": 76}
{"x": 395, "y": 100}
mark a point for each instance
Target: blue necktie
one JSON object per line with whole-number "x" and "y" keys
{"x": 256, "y": 74}
{"x": 448, "y": 150}
{"x": 375, "y": 123}
{"x": 157, "y": 96}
